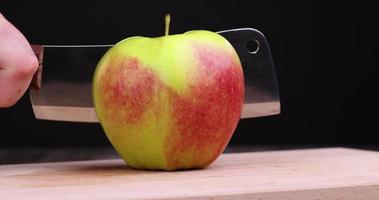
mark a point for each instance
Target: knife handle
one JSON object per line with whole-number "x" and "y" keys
{"x": 35, "y": 84}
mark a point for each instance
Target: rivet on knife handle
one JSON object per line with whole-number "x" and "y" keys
{"x": 35, "y": 84}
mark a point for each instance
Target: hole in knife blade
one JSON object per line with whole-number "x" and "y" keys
{"x": 252, "y": 46}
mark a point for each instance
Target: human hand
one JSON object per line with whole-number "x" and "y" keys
{"x": 18, "y": 63}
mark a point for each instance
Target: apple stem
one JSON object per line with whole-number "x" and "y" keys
{"x": 167, "y": 24}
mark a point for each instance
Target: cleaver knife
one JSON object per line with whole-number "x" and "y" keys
{"x": 61, "y": 90}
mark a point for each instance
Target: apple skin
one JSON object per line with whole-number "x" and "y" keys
{"x": 171, "y": 102}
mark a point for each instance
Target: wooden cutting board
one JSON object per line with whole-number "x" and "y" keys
{"x": 332, "y": 173}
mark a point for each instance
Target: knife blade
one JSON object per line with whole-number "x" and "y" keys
{"x": 62, "y": 88}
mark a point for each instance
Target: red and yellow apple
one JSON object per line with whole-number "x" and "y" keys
{"x": 171, "y": 102}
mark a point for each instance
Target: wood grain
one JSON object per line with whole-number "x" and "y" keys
{"x": 332, "y": 173}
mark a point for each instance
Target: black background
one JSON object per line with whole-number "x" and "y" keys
{"x": 327, "y": 58}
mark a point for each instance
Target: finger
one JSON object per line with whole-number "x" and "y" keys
{"x": 17, "y": 64}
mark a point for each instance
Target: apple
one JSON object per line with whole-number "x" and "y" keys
{"x": 170, "y": 102}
